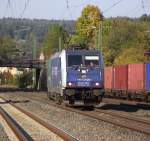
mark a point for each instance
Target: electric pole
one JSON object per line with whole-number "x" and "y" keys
{"x": 100, "y": 30}
{"x": 33, "y": 40}
{"x": 60, "y": 44}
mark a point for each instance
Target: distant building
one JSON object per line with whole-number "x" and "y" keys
{"x": 42, "y": 57}
{"x": 12, "y": 71}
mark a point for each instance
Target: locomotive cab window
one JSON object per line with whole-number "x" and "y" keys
{"x": 92, "y": 60}
{"x": 74, "y": 60}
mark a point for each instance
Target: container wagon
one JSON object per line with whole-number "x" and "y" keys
{"x": 131, "y": 81}
{"x": 108, "y": 80}
{"x": 136, "y": 80}
{"x": 76, "y": 76}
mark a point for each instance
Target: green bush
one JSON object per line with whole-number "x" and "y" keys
{"x": 24, "y": 80}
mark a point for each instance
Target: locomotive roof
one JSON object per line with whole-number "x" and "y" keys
{"x": 83, "y": 52}
{"x": 57, "y": 54}
{"x": 80, "y": 52}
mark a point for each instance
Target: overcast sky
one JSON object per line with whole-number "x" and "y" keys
{"x": 59, "y": 9}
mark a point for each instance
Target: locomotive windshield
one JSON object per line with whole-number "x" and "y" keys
{"x": 77, "y": 60}
{"x": 91, "y": 60}
{"x": 74, "y": 60}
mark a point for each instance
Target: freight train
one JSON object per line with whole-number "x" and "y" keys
{"x": 128, "y": 81}
{"x": 76, "y": 76}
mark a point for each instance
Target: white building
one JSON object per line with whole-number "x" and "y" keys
{"x": 13, "y": 71}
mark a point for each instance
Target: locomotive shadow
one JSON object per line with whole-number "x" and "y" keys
{"x": 125, "y": 107}
{"x": 15, "y": 101}
{"x": 5, "y": 90}
{"x": 83, "y": 108}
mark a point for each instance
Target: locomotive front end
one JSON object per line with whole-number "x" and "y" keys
{"x": 84, "y": 76}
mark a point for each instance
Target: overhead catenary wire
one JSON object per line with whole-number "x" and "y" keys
{"x": 8, "y": 5}
{"x": 82, "y": 4}
{"x": 11, "y": 8}
{"x": 70, "y": 14}
{"x": 25, "y": 7}
{"x": 134, "y": 10}
{"x": 15, "y": 9}
{"x": 143, "y": 4}
{"x": 68, "y": 8}
{"x": 112, "y": 6}
{"x": 67, "y": 3}
{"x": 140, "y": 6}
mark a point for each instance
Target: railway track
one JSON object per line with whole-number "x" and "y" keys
{"x": 124, "y": 116}
{"x": 126, "y": 121}
{"x": 123, "y": 121}
{"x": 19, "y": 120}
{"x": 115, "y": 118}
{"x": 18, "y": 135}
{"x": 129, "y": 102}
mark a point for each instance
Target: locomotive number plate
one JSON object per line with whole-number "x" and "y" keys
{"x": 83, "y": 84}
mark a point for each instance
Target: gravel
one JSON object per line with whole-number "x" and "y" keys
{"x": 3, "y": 135}
{"x": 82, "y": 127}
{"x": 138, "y": 109}
{"x": 141, "y": 112}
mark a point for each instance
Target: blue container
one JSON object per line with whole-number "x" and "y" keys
{"x": 147, "y": 76}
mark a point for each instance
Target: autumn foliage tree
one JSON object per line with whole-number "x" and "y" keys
{"x": 126, "y": 41}
{"x": 87, "y": 25}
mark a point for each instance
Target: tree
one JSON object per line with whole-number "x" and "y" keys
{"x": 90, "y": 18}
{"x": 24, "y": 80}
{"x": 126, "y": 41}
{"x": 145, "y": 17}
{"x": 51, "y": 43}
{"x": 131, "y": 55}
{"x": 7, "y": 48}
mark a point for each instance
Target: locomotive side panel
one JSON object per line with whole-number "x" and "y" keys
{"x": 54, "y": 75}
{"x": 63, "y": 69}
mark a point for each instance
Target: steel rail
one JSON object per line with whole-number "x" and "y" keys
{"x": 20, "y": 136}
{"x": 62, "y": 134}
{"x": 94, "y": 115}
{"x": 129, "y": 117}
{"x": 52, "y": 128}
{"x": 126, "y": 102}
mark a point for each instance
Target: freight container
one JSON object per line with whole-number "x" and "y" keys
{"x": 147, "y": 77}
{"x": 121, "y": 77}
{"x": 108, "y": 77}
{"x": 136, "y": 77}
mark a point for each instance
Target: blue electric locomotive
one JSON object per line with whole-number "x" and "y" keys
{"x": 76, "y": 76}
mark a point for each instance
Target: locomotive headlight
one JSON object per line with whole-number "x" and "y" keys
{"x": 83, "y": 71}
{"x": 70, "y": 84}
{"x": 96, "y": 84}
